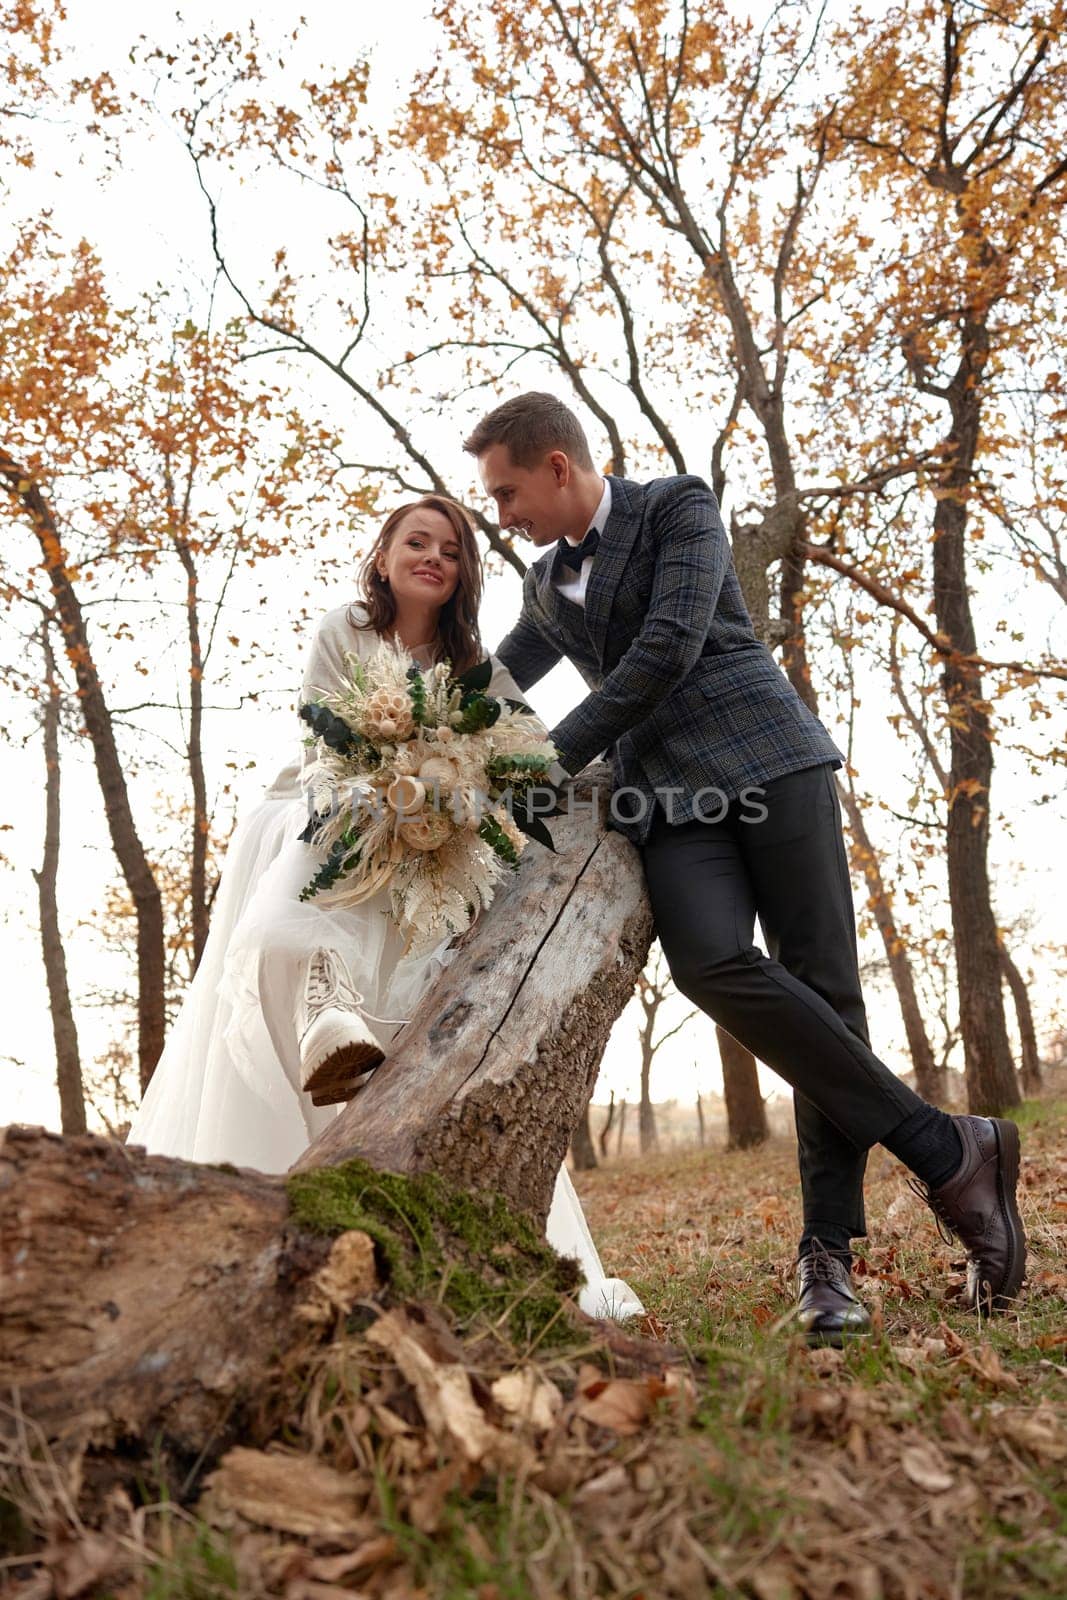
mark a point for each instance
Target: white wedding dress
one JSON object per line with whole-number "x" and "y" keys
{"x": 227, "y": 1087}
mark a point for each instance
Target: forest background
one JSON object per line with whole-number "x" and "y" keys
{"x": 258, "y": 281}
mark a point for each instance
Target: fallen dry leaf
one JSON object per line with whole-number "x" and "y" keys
{"x": 371, "y": 1553}
{"x": 625, "y": 1404}
{"x": 986, "y": 1363}
{"x": 348, "y": 1274}
{"x": 927, "y": 1468}
{"x": 290, "y": 1492}
{"x": 1042, "y": 1432}
{"x": 773, "y": 1581}
{"x": 528, "y": 1396}
{"x": 620, "y": 1404}
{"x": 445, "y": 1396}
{"x": 78, "y": 1566}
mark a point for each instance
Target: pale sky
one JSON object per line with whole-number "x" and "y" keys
{"x": 148, "y": 224}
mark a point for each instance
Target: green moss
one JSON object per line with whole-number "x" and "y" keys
{"x": 470, "y": 1252}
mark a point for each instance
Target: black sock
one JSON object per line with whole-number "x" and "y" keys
{"x": 831, "y": 1235}
{"x": 928, "y": 1143}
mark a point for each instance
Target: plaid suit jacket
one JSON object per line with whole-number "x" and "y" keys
{"x": 682, "y": 692}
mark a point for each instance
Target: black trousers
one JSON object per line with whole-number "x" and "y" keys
{"x": 801, "y": 1009}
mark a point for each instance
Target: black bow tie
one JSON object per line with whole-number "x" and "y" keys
{"x": 572, "y": 555}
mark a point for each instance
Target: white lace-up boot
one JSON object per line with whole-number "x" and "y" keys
{"x": 336, "y": 1046}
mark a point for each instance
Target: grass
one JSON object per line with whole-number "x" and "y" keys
{"x": 200, "y": 1567}
{"x": 924, "y": 1463}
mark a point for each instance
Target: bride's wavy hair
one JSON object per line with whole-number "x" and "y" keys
{"x": 457, "y": 626}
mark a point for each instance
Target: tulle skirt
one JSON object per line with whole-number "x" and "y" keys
{"x": 227, "y": 1087}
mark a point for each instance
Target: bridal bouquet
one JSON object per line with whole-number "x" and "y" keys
{"x": 420, "y": 782}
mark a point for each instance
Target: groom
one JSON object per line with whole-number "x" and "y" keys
{"x": 724, "y": 781}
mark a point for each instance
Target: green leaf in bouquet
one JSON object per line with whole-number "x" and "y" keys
{"x": 478, "y": 713}
{"x": 494, "y": 835}
{"x": 342, "y": 858}
{"x": 514, "y": 767}
{"x": 530, "y": 824}
{"x": 417, "y": 695}
{"x": 331, "y": 729}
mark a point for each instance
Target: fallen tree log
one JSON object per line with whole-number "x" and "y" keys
{"x": 143, "y": 1297}
{"x": 488, "y": 1081}
{"x": 138, "y": 1292}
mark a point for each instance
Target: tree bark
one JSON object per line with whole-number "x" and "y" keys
{"x": 929, "y": 1076}
{"x": 102, "y": 1343}
{"x": 1030, "y": 1061}
{"x": 129, "y": 851}
{"x": 485, "y": 1089}
{"x": 622, "y": 1129}
{"x": 583, "y": 1153}
{"x": 648, "y": 1137}
{"x": 198, "y": 895}
{"x": 64, "y": 1029}
{"x": 746, "y": 1114}
{"x": 991, "y": 1081}
{"x": 121, "y": 1370}
{"x": 489, "y": 1079}
{"x": 606, "y": 1129}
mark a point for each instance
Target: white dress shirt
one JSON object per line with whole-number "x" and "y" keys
{"x": 572, "y": 585}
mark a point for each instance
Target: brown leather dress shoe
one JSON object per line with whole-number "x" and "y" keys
{"x": 977, "y": 1206}
{"x": 828, "y": 1311}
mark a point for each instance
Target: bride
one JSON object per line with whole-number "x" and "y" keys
{"x": 293, "y": 1001}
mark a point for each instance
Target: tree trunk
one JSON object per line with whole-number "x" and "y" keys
{"x": 702, "y": 1131}
{"x": 606, "y": 1129}
{"x": 582, "y": 1152}
{"x": 485, "y": 1089}
{"x": 622, "y": 1129}
{"x": 136, "y": 870}
{"x": 103, "y": 1345}
{"x": 198, "y": 895}
{"x": 991, "y": 1081}
{"x": 746, "y": 1114}
{"x": 121, "y": 1373}
{"x": 64, "y": 1029}
{"x": 1030, "y": 1063}
{"x": 489, "y": 1079}
{"x": 929, "y": 1077}
{"x": 648, "y": 1138}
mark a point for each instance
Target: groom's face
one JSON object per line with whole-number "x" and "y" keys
{"x": 535, "y": 501}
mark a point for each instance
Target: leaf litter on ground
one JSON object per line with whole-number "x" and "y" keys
{"x": 412, "y": 1454}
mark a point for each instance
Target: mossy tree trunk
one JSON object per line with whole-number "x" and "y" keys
{"x": 150, "y": 1307}
{"x": 488, "y": 1081}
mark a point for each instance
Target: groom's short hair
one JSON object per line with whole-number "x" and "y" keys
{"x": 532, "y": 425}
